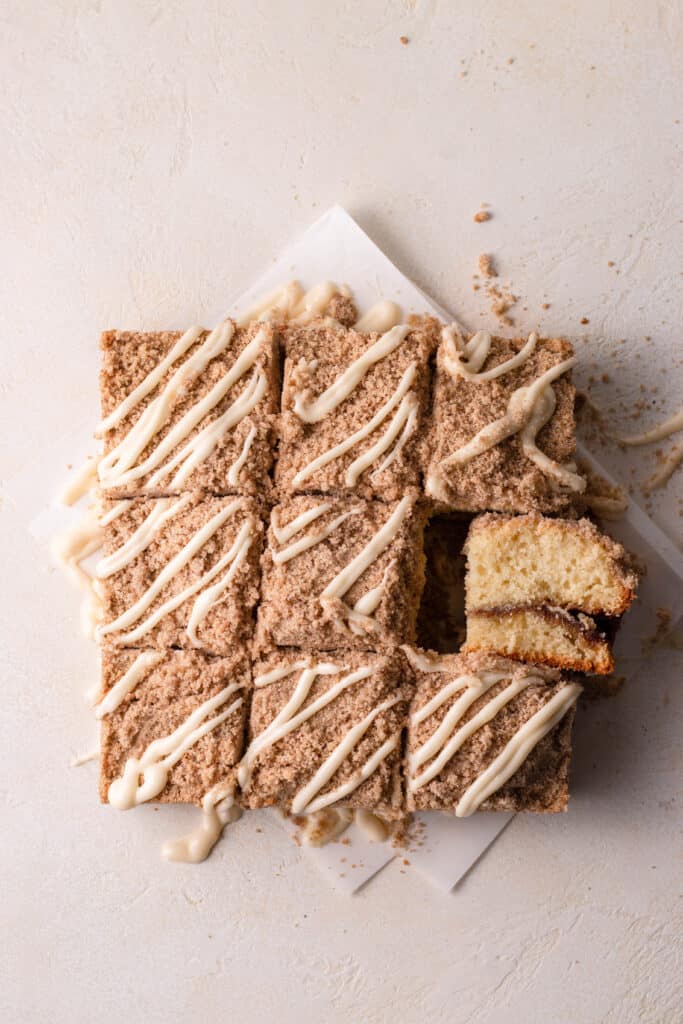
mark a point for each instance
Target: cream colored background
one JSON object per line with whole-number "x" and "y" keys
{"x": 155, "y": 157}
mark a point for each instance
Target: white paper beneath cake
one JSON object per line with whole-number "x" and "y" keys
{"x": 336, "y": 249}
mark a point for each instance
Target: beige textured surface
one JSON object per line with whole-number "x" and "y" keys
{"x": 155, "y": 159}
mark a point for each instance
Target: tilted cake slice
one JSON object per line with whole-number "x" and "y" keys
{"x": 193, "y": 411}
{"x": 353, "y": 406}
{"x": 545, "y": 590}
{"x": 488, "y": 734}
{"x": 502, "y": 433}
{"x": 325, "y": 732}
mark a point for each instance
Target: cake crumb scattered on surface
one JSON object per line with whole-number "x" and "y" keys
{"x": 487, "y": 266}
{"x": 404, "y": 40}
{"x": 482, "y": 216}
{"x": 585, "y": 320}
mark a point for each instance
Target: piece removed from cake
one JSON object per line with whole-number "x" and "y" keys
{"x": 543, "y": 590}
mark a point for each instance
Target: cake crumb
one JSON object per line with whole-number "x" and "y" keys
{"x": 482, "y": 216}
{"x": 404, "y": 40}
{"x": 487, "y": 266}
{"x": 585, "y": 320}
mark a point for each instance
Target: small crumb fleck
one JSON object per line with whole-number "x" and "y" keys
{"x": 610, "y": 263}
{"x": 482, "y": 216}
{"x": 404, "y": 40}
{"x": 545, "y": 305}
{"x": 585, "y": 320}
{"x": 486, "y": 266}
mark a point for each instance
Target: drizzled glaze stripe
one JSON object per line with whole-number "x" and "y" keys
{"x": 139, "y": 670}
{"x": 407, "y": 413}
{"x": 312, "y": 410}
{"x": 155, "y": 764}
{"x": 528, "y": 409}
{"x": 465, "y": 359}
{"x": 517, "y": 750}
{"x": 163, "y": 510}
{"x": 121, "y": 466}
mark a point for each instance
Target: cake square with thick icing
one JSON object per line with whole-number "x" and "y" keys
{"x": 502, "y": 433}
{"x": 340, "y": 573}
{"x": 193, "y": 411}
{"x": 179, "y": 572}
{"x": 325, "y": 731}
{"x": 488, "y": 734}
{"x": 172, "y": 725}
{"x": 353, "y": 407}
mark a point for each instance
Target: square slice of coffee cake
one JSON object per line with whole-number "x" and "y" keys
{"x": 342, "y": 573}
{"x": 193, "y": 411}
{"x": 353, "y": 409}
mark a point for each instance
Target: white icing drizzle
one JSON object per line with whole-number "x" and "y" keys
{"x": 83, "y": 480}
{"x": 311, "y": 539}
{"x": 70, "y": 548}
{"x": 421, "y": 661}
{"x": 325, "y": 826}
{"x": 312, "y": 410}
{"x": 81, "y": 759}
{"x": 291, "y": 716}
{"x": 465, "y": 359}
{"x": 517, "y": 750}
{"x": 120, "y": 466}
{"x": 138, "y": 670}
{"x": 163, "y": 510}
{"x": 344, "y": 580}
{"x": 375, "y": 828}
{"x": 407, "y": 413}
{"x": 209, "y": 597}
{"x": 154, "y": 766}
{"x": 218, "y": 810}
{"x": 132, "y": 614}
{"x": 445, "y": 742}
{"x": 305, "y": 801}
{"x": 673, "y": 459}
{"x": 659, "y": 433}
{"x": 182, "y": 345}
{"x": 284, "y": 533}
{"x": 379, "y": 318}
{"x": 238, "y": 464}
{"x": 529, "y": 408}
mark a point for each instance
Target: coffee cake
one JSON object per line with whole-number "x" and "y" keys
{"x": 342, "y": 573}
{"x": 488, "y": 734}
{"x": 192, "y": 411}
{"x": 172, "y": 725}
{"x": 353, "y": 405}
{"x": 179, "y": 572}
{"x": 502, "y": 433}
{"x": 326, "y": 731}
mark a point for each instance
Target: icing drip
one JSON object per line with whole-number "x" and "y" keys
{"x": 305, "y": 801}
{"x": 291, "y": 716}
{"x": 121, "y": 466}
{"x": 673, "y": 459}
{"x": 517, "y": 750}
{"x": 139, "y": 670}
{"x": 465, "y": 359}
{"x": 135, "y": 612}
{"x": 325, "y": 826}
{"x": 81, "y": 759}
{"x": 529, "y": 408}
{"x": 381, "y": 317}
{"x": 659, "y": 433}
{"x": 312, "y": 410}
{"x": 376, "y": 829}
{"x": 81, "y": 483}
{"x": 422, "y": 662}
{"x": 154, "y": 766}
{"x": 404, "y": 417}
{"x": 289, "y": 303}
{"x": 218, "y": 810}
{"x": 343, "y": 581}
